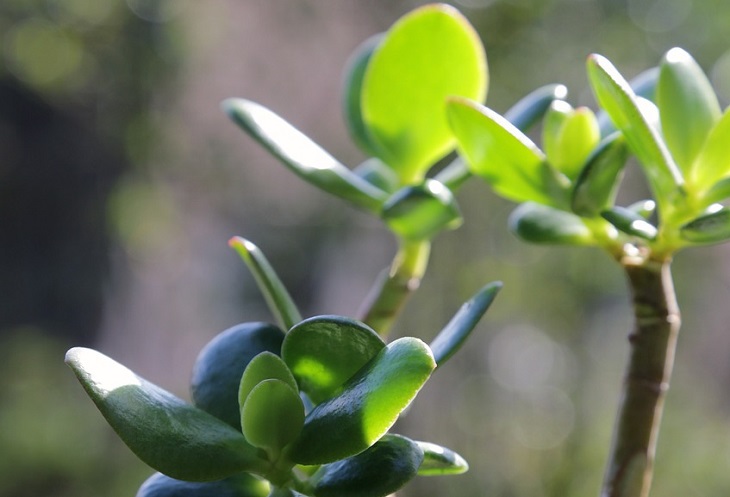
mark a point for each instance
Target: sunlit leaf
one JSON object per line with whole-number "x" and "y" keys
{"x": 643, "y": 85}
{"x": 429, "y": 54}
{"x": 368, "y": 406}
{"x": 301, "y": 155}
{"x": 323, "y": 352}
{"x": 272, "y": 416}
{"x": 277, "y": 297}
{"x": 173, "y": 437}
{"x": 455, "y": 333}
{"x": 538, "y": 223}
{"x": 379, "y": 471}
{"x": 265, "y": 366}
{"x": 240, "y": 485}
{"x": 710, "y": 228}
{"x": 438, "y": 460}
{"x": 713, "y": 161}
{"x": 220, "y": 364}
{"x": 556, "y": 116}
{"x": 630, "y": 222}
{"x": 530, "y": 108}
{"x": 576, "y": 138}
{"x": 595, "y": 188}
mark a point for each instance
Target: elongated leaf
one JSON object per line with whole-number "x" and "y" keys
{"x": 220, "y": 364}
{"x": 173, "y": 437}
{"x": 719, "y": 192}
{"x": 379, "y": 471}
{"x": 368, "y": 406}
{"x": 277, "y": 297}
{"x": 644, "y": 208}
{"x": 378, "y": 173}
{"x": 630, "y": 222}
{"x": 240, "y": 485}
{"x": 595, "y": 188}
{"x": 643, "y": 85}
{"x": 323, "y": 352}
{"x": 713, "y": 160}
{"x": 455, "y": 333}
{"x": 272, "y": 416}
{"x": 438, "y": 460}
{"x": 530, "y": 108}
{"x": 430, "y": 53}
{"x": 301, "y": 155}
{"x": 578, "y": 136}
{"x": 538, "y": 223}
{"x": 615, "y": 95}
{"x": 710, "y": 228}
{"x": 265, "y": 366}
{"x": 422, "y": 211}
{"x": 688, "y": 106}
{"x": 556, "y": 116}
{"x": 503, "y": 155}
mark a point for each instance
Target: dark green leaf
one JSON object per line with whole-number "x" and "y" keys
{"x": 538, "y": 223}
{"x": 323, "y": 352}
{"x": 528, "y": 110}
{"x": 173, "y": 437}
{"x": 379, "y": 174}
{"x": 439, "y": 460}
{"x": 644, "y": 208}
{"x": 301, "y": 155}
{"x": 370, "y": 403}
{"x": 630, "y": 222}
{"x": 595, "y": 188}
{"x": 219, "y": 366}
{"x": 277, "y": 297}
{"x": 709, "y": 228}
{"x": 272, "y": 416}
{"x": 265, "y": 366}
{"x": 379, "y": 471}
{"x": 240, "y": 485}
{"x": 455, "y": 333}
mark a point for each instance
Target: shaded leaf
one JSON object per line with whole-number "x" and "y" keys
{"x": 240, "y": 485}
{"x": 272, "y": 416}
{"x": 379, "y": 174}
{"x": 630, "y": 222}
{"x": 709, "y": 228}
{"x": 438, "y": 460}
{"x": 530, "y": 108}
{"x": 538, "y": 223}
{"x": 173, "y": 437}
{"x": 595, "y": 188}
{"x": 644, "y": 208}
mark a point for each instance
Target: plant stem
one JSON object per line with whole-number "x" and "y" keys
{"x": 653, "y": 342}
{"x": 394, "y": 285}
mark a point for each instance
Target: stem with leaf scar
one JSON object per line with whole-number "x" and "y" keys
{"x": 653, "y": 342}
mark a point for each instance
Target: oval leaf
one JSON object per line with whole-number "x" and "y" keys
{"x": 272, "y": 416}
{"x": 542, "y": 224}
{"x": 455, "y": 333}
{"x": 220, "y": 364}
{"x": 713, "y": 161}
{"x": 323, "y": 352}
{"x": 595, "y": 188}
{"x": 173, "y": 437}
{"x": 530, "y": 108}
{"x": 421, "y": 212}
{"x": 578, "y": 136}
{"x": 369, "y": 405}
{"x": 438, "y": 460}
{"x": 710, "y": 228}
{"x": 265, "y": 366}
{"x": 429, "y": 54}
{"x": 643, "y": 85}
{"x": 379, "y": 471}
{"x": 240, "y": 485}
{"x": 630, "y": 222}
{"x": 301, "y": 155}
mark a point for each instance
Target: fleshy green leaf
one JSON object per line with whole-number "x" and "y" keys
{"x": 379, "y": 471}
{"x": 368, "y": 406}
{"x": 644, "y": 208}
{"x": 323, "y": 352}
{"x": 687, "y": 104}
{"x": 173, "y": 437}
{"x": 378, "y": 173}
{"x": 719, "y": 192}
{"x": 240, "y": 485}
{"x": 576, "y": 138}
{"x": 503, "y": 155}
{"x": 556, "y": 116}
{"x": 538, "y": 223}
{"x": 430, "y": 53}
{"x": 710, "y": 228}
{"x": 595, "y": 188}
{"x": 421, "y": 212}
{"x": 220, "y": 364}
{"x": 713, "y": 160}
{"x": 301, "y": 155}
{"x": 277, "y": 297}
{"x": 618, "y": 99}
{"x": 265, "y": 366}
{"x": 530, "y": 108}
{"x": 455, "y": 333}
{"x": 630, "y": 222}
{"x": 438, "y": 460}
{"x": 272, "y": 416}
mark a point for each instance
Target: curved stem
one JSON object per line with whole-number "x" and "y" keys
{"x": 394, "y": 285}
{"x": 653, "y": 342}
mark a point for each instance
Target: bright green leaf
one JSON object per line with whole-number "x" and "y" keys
{"x": 455, "y": 333}
{"x": 220, "y": 364}
{"x": 595, "y": 188}
{"x": 422, "y": 211}
{"x": 379, "y": 471}
{"x": 323, "y": 352}
{"x": 709, "y": 228}
{"x": 688, "y": 106}
{"x": 301, "y": 155}
{"x": 538, "y": 223}
{"x": 530, "y": 108}
{"x": 713, "y": 160}
{"x": 277, "y": 297}
{"x": 719, "y": 192}
{"x": 630, "y": 222}
{"x": 272, "y": 416}
{"x": 578, "y": 136}
{"x": 368, "y": 406}
{"x": 428, "y": 55}
{"x": 173, "y": 437}
{"x": 265, "y": 366}
{"x": 556, "y": 116}
{"x": 438, "y": 460}
{"x": 240, "y": 485}
{"x": 643, "y": 86}
{"x": 503, "y": 155}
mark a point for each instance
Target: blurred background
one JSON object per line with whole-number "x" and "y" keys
{"x": 121, "y": 182}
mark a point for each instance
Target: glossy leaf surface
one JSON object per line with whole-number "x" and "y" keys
{"x": 378, "y": 173}
{"x": 644, "y": 208}
{"x": 240, "y": 485}
{"x": 438, "y": 460}
{"x": 272, "y": 416}
{"x": 173, "y": 437}
{"x": 220, "y": 364}
{"x": 538, "y": 223}
{"x": 713, "y": 161}
{"x": 277, "y": 297}
{"x": 597, "y": 184}
{"x": 710, "y": 228}
{"x": 643, "y": 86}
{"x": 429, "y": 54}
{"x": 575, "y": 139}
{"x": 368, "y": 406}
{"x": 630, "y": 222}
{"x": 421, "y": 212}
{"x": 323, "y": 352}
{"x": 379, "y": 471}
{"x": 455, "y": 333}
{"x": 531, "y": 108}
{"x": 301, "y": 155}
{"x": 265, "y": 366}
